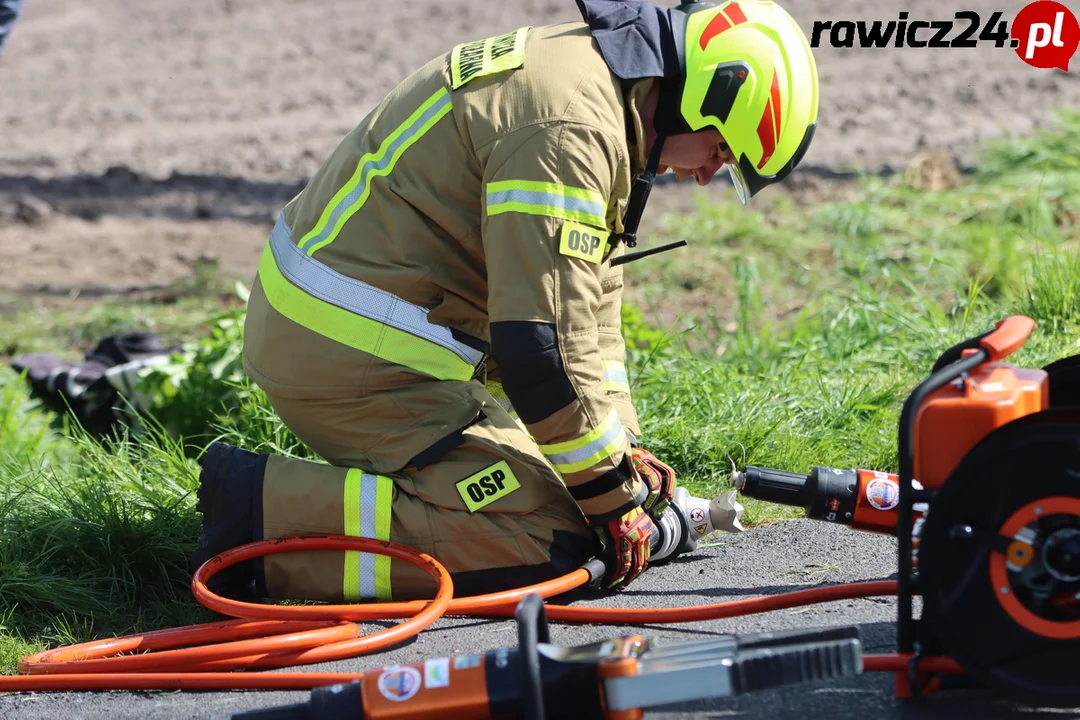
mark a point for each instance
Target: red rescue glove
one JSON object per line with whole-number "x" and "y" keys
{"x": 627, "y": 539}
{"x": 658, "y": 477}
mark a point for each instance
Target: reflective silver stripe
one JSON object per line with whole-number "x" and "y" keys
{"x": 529, "y": 197}
{"x": 385, "y": 157}
{"x": 616, "y": 373}
{"x": 573, "y": 457}
{"x": 357, "y": 296}
{"x": 369, "y": 486}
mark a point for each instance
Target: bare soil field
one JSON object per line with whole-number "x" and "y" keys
{"x": 138, "y": 139}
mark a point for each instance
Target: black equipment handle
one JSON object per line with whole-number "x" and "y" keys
{"x": 532, "y": 628}
{"x": 905, "y": 445}
{"x": 779, "y": 486}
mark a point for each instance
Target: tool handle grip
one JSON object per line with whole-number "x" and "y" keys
{"x": 778, "y": 486}
{"x": 532, "y": 627}
{"x": 1007, "y": 336}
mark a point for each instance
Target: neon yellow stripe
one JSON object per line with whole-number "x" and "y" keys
{"x": 380, "y": 172}
{"x": 587, "y": 450}
{"x": 357, "y": 175}
{"x": 378, "y": 169}
{"x": 364, "y": 160}
{"x": 580, "y": 442}
{"x": 607, "y": 450}
{"x": 383, "y": 510}
{"x": 547, "y": 211}
{"x": 546, "y": 187}
{"x": 350, "y": 581}
{"x": 355, "y": 331}
{"x": 547, "y": 199}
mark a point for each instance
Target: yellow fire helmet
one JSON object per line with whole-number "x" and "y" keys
{"x": 750, "y": 73}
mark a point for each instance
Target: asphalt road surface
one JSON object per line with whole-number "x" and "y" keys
{"x": 767, "y": 560}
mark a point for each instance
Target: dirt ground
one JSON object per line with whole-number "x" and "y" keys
{"x": 138, "y": 139}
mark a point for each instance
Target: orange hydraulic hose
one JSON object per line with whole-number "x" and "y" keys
{"x": 277, "y": 651}
{"x": 274, "y": 636}
{"x": 733, "y": 608}
{"x": 898, "y": 662}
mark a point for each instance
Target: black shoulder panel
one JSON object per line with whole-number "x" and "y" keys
{"x": 532, "y": 370}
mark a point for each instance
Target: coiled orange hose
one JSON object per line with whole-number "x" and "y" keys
{"x": 273, "y": 636}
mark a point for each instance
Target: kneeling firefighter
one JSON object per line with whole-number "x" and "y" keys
{"x": 437, "y": 314}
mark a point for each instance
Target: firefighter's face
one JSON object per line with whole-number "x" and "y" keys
{"x": 696, "y": 155}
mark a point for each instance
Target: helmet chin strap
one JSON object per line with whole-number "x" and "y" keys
{"x": 639, "y": 196}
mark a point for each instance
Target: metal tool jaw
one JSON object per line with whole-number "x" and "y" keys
{"x": 688, "y": 519}
{"x": 732, "y": 665}
{"x": 634, "y": 673}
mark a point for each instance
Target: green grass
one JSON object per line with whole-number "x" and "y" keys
{"x": 882, "y": 235}
{"x": 788, "y": 335}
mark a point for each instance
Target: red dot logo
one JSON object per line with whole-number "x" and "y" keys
{"x": 1045, "y": 34}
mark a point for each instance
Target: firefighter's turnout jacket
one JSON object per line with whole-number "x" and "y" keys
{"x": 454, "y": 251}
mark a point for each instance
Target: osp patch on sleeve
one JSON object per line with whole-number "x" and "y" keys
{"x": 582, "y": 241}
{"x": 478, "y": 58}
{"x": 485, "y": 487}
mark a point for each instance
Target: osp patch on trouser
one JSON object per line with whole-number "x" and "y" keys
{"x": 490, "y": 509}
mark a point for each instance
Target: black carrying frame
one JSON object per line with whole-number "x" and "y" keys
{"x": 911, "y": 637}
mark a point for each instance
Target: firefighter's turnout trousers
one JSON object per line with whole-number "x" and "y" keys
{"x": 482, "y": 500}
{"x": 456, "y": 244}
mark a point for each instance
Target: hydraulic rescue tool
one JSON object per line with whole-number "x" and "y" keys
{"x": 986, "y": 509}
{"x": 609, "y": 680}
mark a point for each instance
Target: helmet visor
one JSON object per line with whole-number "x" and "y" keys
{"x": 742, "y": 189}
{"x": 749, "y": 183}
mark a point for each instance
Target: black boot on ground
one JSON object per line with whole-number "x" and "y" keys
{"x": 230, "y": 500}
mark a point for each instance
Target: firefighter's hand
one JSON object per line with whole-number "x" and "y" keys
{"x": 658, "y": 477}
{"x": 628, "y": 539}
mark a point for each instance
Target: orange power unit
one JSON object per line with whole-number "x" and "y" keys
{"x": 956, "y": 417}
